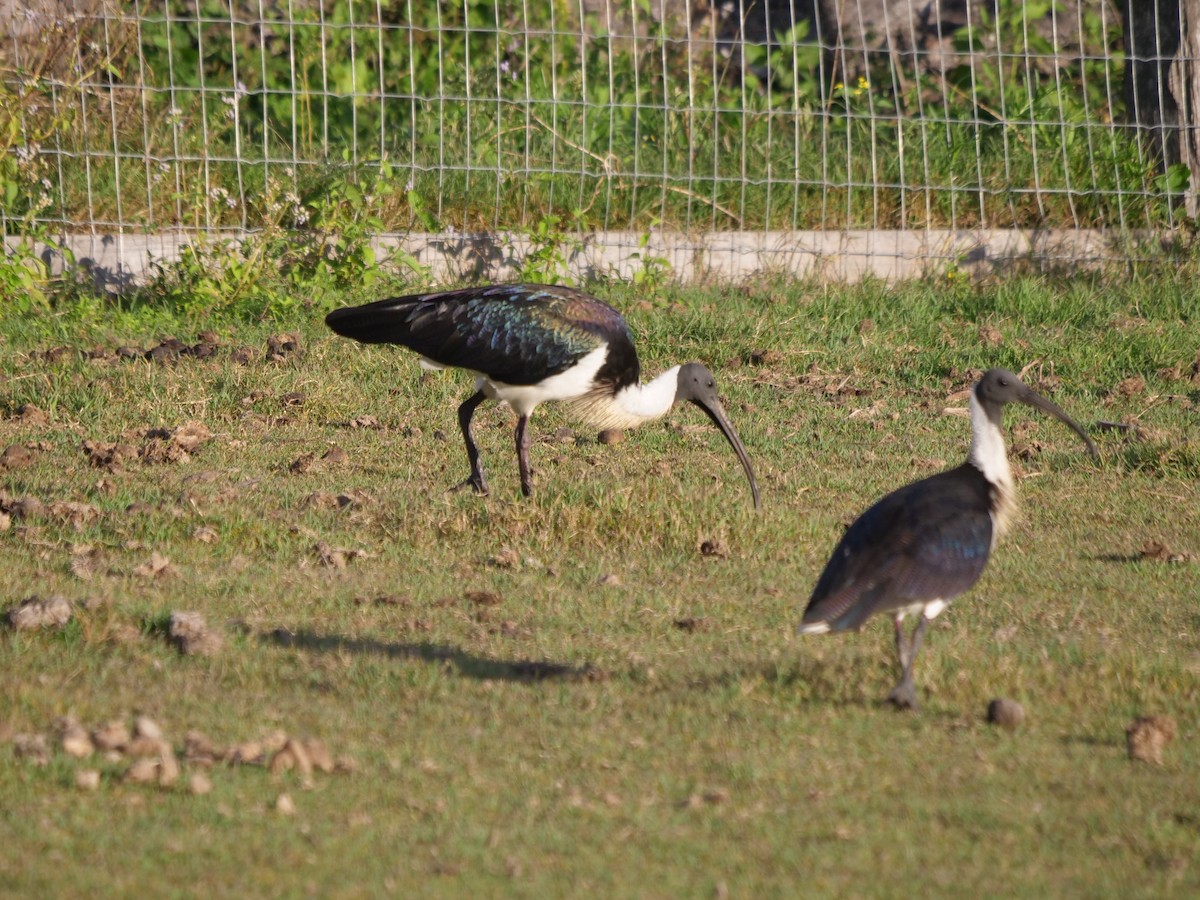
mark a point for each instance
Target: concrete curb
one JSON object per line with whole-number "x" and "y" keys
{"x": 120, "y": 261}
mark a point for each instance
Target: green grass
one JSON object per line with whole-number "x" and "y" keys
{"x": 734, "y": 757}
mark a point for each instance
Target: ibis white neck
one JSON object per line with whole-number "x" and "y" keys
{"x": 989, "y": 455}
{"x": 633, "y": 405}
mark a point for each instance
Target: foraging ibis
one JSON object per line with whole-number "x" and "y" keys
{"x": 921, "y": 546}
{"x": 528, "y": 344}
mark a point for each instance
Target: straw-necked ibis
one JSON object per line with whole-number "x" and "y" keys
{"x": 921, "y": 546}
{"x": 529, "y": 344}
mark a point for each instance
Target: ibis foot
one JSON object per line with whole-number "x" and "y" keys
{"x": 478, "y": 485}
{"x": 904, "y": 696}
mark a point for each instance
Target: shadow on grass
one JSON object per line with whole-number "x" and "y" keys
{"x": 467, "y": 664}
{"x": 815, "y": 682}
{"x": 1092, "y": 740}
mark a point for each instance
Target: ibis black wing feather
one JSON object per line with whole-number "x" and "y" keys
{"x": 929, "y": 540}
{"x": 515, "y": 334}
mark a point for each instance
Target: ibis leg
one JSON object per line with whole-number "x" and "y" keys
{"x": 904, "y": 694}
{"x": 902, "y": 643}
{"x": 475, "y": 480}
{"x": 522, "y": 436}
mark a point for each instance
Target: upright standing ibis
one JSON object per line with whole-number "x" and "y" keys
{"x": 528, "y": 344}
{"x": 921, "y": 546}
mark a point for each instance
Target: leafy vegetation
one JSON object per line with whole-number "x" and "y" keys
{"x": 523, "y": 724}
{"x": 467, "y": 117}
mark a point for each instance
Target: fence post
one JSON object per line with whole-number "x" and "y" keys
{"x": 1185, "y": 87}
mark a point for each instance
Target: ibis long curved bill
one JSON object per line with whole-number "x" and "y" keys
{"x": 696, "y": 385}
{"x": 1030, "y": 397}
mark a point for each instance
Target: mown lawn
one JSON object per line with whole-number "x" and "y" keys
{"x": 564, "y": 696}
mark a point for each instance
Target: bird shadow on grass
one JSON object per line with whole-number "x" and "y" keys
{"x": 1120, "y": 558}
{"x": 815, "y": 683}
{"x": 1092, "y": 740}
{"x": 467, "y": 664}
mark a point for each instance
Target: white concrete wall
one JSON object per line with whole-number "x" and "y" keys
{"x": 119, "y": 261}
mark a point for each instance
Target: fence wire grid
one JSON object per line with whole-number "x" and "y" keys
{"x": 574, "y": 116}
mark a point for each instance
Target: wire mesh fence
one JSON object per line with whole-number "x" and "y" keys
{"x": 575, "y": 117}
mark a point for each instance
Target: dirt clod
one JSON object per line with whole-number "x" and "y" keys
{"x": 1130, "y": 387}
{"x": 283, "y": 347}
{"x": 157, "y": 566}
{"x": 143, "y": 770}
{"x": 206, "y": 534}
{"x": 109, "y": 456}
{"x": 112, "y": 735}
{"x": 28, "y": 414}
{"x": 1146, "y": 737}
{"x": 190, "y": 435}
{"x": 335, "y": 558}
{"x": 322, "y": 760}
{"x": 34, "y": 612}
{"x": 168, "y": 768}
{"x": 26, "y": 508}
{"x": 506, "y": 558}
{"x": 1160, "y": 552}
{"x": 32, "y": 748}
{"x": 199, "y": 750}
{"x": 302, "y": 463}
{"x": 990, "y": 336}
{"x": 483, "y": 598}
{"x": 292, "y": 755}
{"x": 144, "y": 726}
{"x": 199, "y": 784}
{"x": 612, "y": 436}
{"x": 74, "y": 739}
{"x": 15, "y": 456}
{"x": 87, "y": 779}
{"x": 1005, "y": 713}
{"x": 285, "y": 806}
{"x": 335, "y": 456}
{"x": 191, "y": 634}
{"x": 69, "y": 512}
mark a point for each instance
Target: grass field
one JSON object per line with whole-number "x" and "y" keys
{"x": 563, "y": 696}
